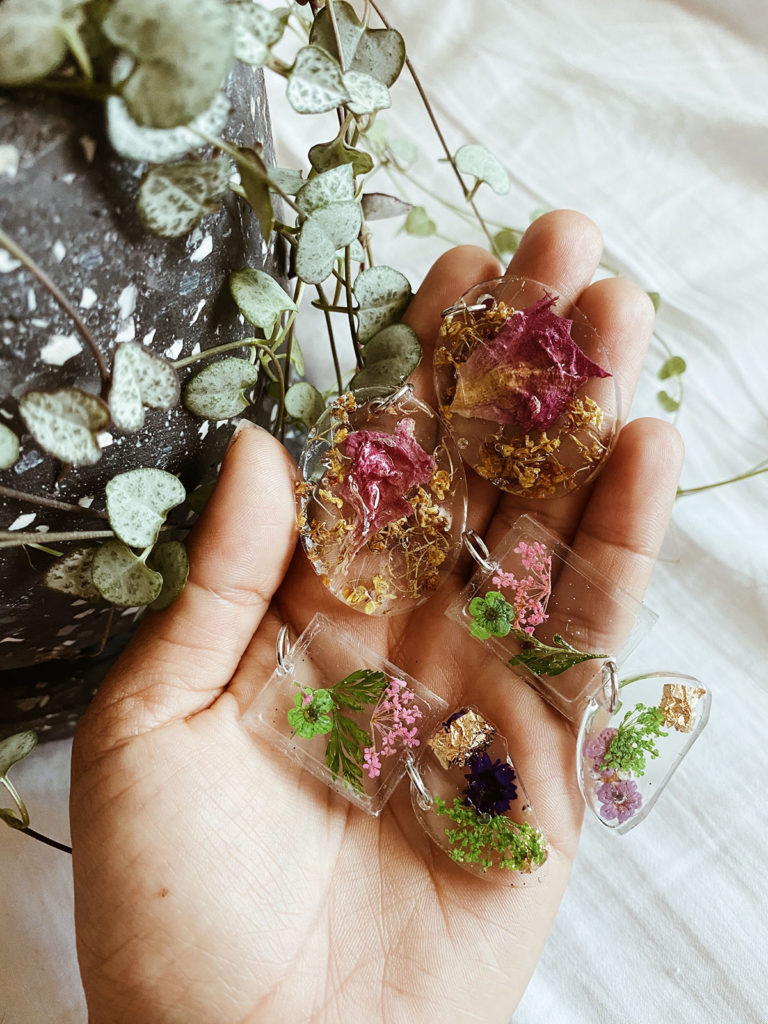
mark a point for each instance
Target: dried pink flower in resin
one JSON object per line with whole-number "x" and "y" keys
{"x": 384, "y": 467}
{"x": 528, "y": 374}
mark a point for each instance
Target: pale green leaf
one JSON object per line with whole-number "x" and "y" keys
{"x": 377, "y": 52}
{"x": 217, "y": 392}
{"x": 140, "y": 379}
{"x": 419, "y": 223}
{"x": 396, "y": 342}
{"x": 334, "y": 186}
{"x": 156, "y": 145}
{"x": 9, "y": 447}
{"x": 341, "y": 222}
{"x": 655, "y": 298}
{"x": 305, "y": 403}
{"x": 315, "y": 253}
{"x": 389, "y": 373}
{"x": 507, "y": 240}
{"x": 31, "y": 40}
{"x": 297, "y": 357}
{"x": 15, "y": 748}
{"x": 667, "y": 402}
{"x": 172, "y": 562}
{"x": 366, "y": 93}
{"x": 259, "y": 298}
{"x": 197, "y": 499}
{"x": 122, "y": 578}
{"x": 138, "y": 502}
{"x": 174, "y": 198}
{"x": 65, "y": 423}
{"x": 482, "y": 164}
{"x": 382, "y": 294}
{"x": 326, "y": 155}
{"x": 675, "y": 366}
{"x": 254, "y": 178}
{"x": 404, "y": 153}
{"x": 315, "y": 83}
{"x": 287, "y": 179}
{"x": 380, "y": 206}
{"x": 356, "y": 252}
{"x": 71, "y": 574}
{"x": 256, "y": 31}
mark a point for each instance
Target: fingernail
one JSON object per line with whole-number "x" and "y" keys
{"x": 241, "y": 425}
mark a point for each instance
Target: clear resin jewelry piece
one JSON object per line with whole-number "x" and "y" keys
{"x": 359, "y": 723}
{"x": 383, "y": 500}
{"x": 525, "y": 383}
{"x": 627, "y": 756}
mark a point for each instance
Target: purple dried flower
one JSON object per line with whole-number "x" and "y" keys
{"x": 490, "y": 785}
{"x": 619, "y": 800}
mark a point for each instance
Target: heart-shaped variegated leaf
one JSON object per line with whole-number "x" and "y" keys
{"x": 156, "y": 145}
{"x": 32, "y": 40}
{"x": 66, "y": 423}
{"x": 256, "y": 31}
{"x": 15, "y": 748}
{"x": 389, "y": 373}
{"x": 315, "y": 83}
{"x": 327, "y": 155}
{"x": 286, "y": 179}
{"x": 217, "y": 392}
{"x": 380, "y": 206}
{"x": 71, "y": 574}
{"x": 382, "y": 294}
{"x": 140, "y": 378}
{"x": 259, "y": 298}
{"x": 304, "y": 402}
{"x": 483, "y": 165}
{"x": 122, "y": 578}
{"x": 396, "y": 342}
{"x": 315, "y": 253}
{"x": 334, "y": 186}
{"x": 138, "y": 502}
{"x": 366, "y": 93}
{"x": 172, "y": 562}
{"x": 9, "y": 447}
{"x": 419, "y": 223}
{"x": 377, "y": 52}
{"x": 174, "y": 198}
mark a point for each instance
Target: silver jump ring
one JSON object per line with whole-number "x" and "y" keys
{"x": 610, "y": 676}
{"x": 423, "y": 796}
{"x": 283, "y": 652}
{"x": 462, "y": 307}
{"x": 478, "y": 549}
{"x": 404, "y": 391}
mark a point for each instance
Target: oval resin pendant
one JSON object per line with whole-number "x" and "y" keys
{"x": 470, "y": 800}
{"x": 383, "y": 500}
{"x": 625, "y": 759}
{"x": 525, "y": 384}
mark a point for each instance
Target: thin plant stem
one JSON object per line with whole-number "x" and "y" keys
{"x": 331, "y": 338}
{"x": 17, "y": 540}
{"x": 47, "y": 840}
{"x": 59, "y": 297}
{"x": 683, "y": 492}
{"x": 39, "y": 499}
{"x": 350, "y": 311}
{"x": 218, "y": 349}
{"x": 105, "y": 635}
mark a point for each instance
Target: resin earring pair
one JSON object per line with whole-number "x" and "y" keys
{"x": 553, "y": 619}
{"x": 360, "y": 724}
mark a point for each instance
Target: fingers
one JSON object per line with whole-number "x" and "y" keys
{"x": 181, "y": 659}
{"x": 561, "y": 249}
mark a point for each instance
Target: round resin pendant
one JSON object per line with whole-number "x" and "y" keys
{"x": 525, "y": 383}
{"x": 383, "y": 500}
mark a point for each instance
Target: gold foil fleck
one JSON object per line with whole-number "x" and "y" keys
{"x": 458, "y": 741}
{"x": 678, "y": 705}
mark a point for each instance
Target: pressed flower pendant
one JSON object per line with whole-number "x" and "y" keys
{"x": 525, "y": 384}
{"x": 382, "y": 499}
{"x": 626, "y": 757}
{"x": 359, "y": 723}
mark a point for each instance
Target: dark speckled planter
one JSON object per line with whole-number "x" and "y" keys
{"x": 70, "y": 202}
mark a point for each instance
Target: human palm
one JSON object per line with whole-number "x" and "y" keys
{"x": 217, "y": 882}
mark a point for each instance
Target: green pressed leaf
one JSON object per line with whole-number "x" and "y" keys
{"x": 315, "y": 253}
{"x": 122, "y": 578}
{"x": 140, "y": 379}
{"x": 172, "y": 562}
{"x": 71, "y": 574}
{"x": 315, "y": 83}
{"x": 396, "y": 342}
{"x": 287, "y": 179}
{"x": 380, "y": 206}
{"x": 419, "y": 223}
{"x": 182, "y": 56}
{"x": 32, "y": 42}
{"x": 138, "y": 502}
{"x": 549, "y": 660}
{"x": 382, "y": 294}
{"x": 216, "y": 393}
{"x": 66, "y": 423}
{"x": 366, "y": 93}
{"x": 174, "y": 198}
{"x": 9, "y": 447}
{"x": 675, "y": 366}
{"x": 655, "y": 299}
{"x": 304, "y": 402}
{"x": 156, "y": 145}
{"x": 667, "y": 402}
{"x": 256, "y": 31}
{"x": 327, "y": 155}
{"x": 377, "y": 52}
{"x": 259, "y": 298}
{"x": 15, "y": 748}
{"x": 482, "y": 164}
{"x": 334, "y": 186}
{"x": 507, "y": 240}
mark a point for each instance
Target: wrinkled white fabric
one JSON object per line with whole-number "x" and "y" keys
{"x": 650, "y": 116}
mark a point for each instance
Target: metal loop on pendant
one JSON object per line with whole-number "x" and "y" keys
{"x": 462, "y": 307}
{"x": 611, "y": 678}
{"x": 283, "y": 652}
{"x": 478, "y": 549}
{"x": 423, "y": 796}
{"x": 404, "y": 391}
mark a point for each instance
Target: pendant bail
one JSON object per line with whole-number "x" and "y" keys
{"x": 283, "y": 651}
{"x": 478, "y": 549}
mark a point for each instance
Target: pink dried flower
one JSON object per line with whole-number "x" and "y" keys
{"x": 527, "y": 374}
{"x": 531, "y": 593}
{"x": 394, "y": 719}
{"x": 384, "y": 467}
{"x": 596, "y": 748}
{"x": 619, "y": 801}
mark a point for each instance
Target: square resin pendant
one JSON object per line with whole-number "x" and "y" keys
{"x": 548, "y": 614}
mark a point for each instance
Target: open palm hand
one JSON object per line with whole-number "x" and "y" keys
{"x": 215, "y": 881}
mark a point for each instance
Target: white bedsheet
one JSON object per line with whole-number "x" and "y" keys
{"x": 650, "y": 116}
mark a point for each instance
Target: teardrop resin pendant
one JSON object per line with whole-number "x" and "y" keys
{"x": 469, "y": 798}
{"x": 525, "y": 384}
{"x": 383, "y": 500}
{"x": 626, "y": 758}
